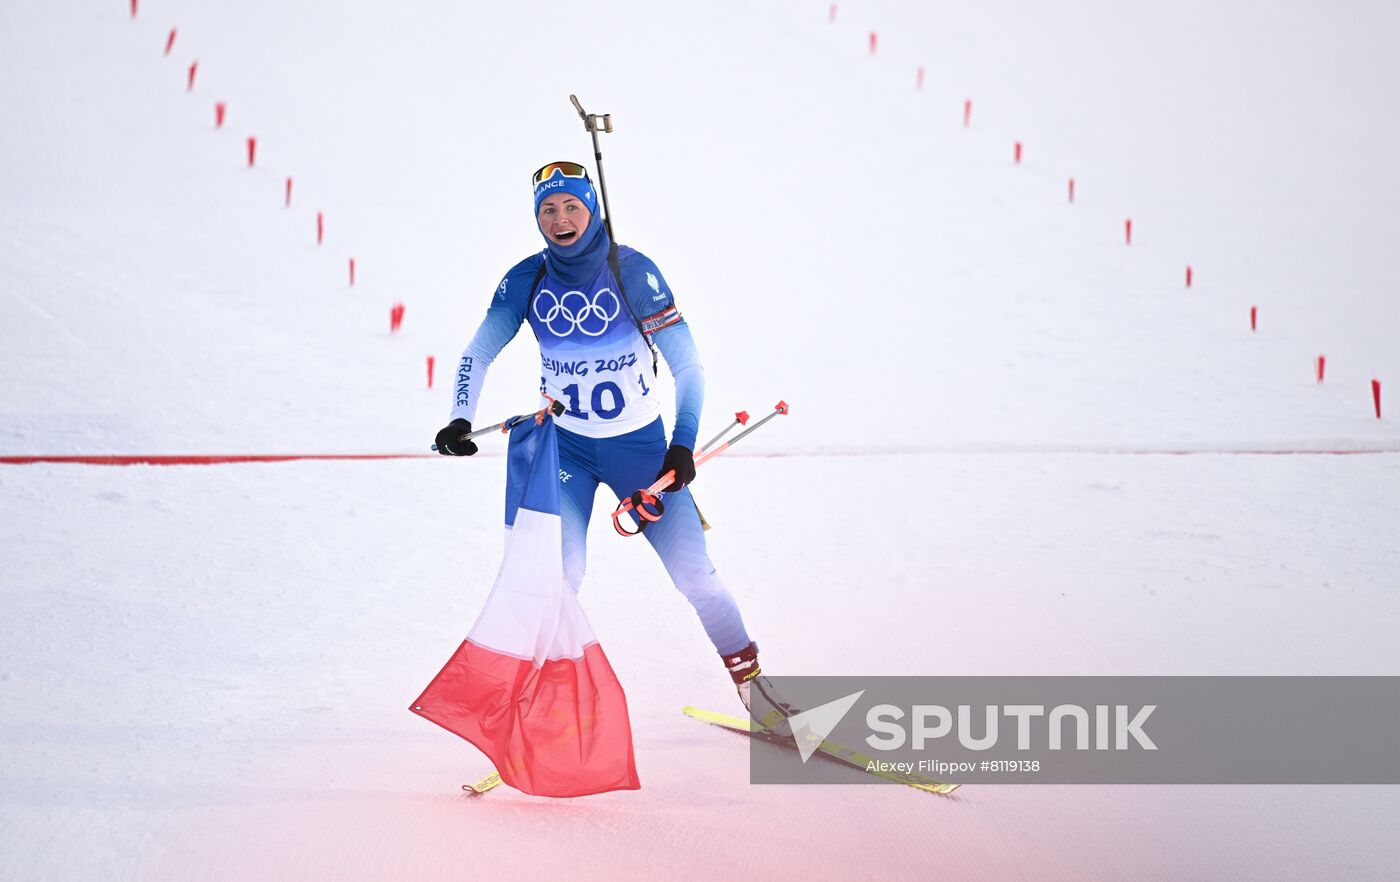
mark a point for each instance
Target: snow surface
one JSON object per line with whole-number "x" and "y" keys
{"x": 204, "y": 671}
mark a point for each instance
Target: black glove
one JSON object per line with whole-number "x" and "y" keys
{"x": 683, "y": 461}
{"x": 447, "y": 443}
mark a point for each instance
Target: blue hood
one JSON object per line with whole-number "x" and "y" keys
{"x": 579, "y": 262}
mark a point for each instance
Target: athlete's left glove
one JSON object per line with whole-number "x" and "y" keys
{"x": 447, "y": 443}
{"x": 683, "y": 461}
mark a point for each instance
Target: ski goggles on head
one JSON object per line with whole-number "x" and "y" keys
{"x": 567, "y": 169}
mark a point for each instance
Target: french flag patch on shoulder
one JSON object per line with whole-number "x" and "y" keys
{"x": 663, "y": 319}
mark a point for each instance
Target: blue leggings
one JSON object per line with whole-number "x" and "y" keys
{"x": 627, "y": 463}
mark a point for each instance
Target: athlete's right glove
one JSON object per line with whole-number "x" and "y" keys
{"x": 683, "y": 461}
{"x": 447, "y": 443}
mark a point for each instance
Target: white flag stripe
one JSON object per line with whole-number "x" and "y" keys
{"x": 532, "y": 612}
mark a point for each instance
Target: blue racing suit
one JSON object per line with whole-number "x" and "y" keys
{"x": 595, "y": 356}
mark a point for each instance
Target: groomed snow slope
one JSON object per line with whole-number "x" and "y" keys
{"x": 204, "y": 671}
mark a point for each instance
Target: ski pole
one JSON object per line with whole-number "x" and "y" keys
{"x": 591, "y": 123}
{"x": 647, "y": 502}
{"x": 740, "y": 419}
{"x": 554, "y": 408}
{"x": 779, "y": 409}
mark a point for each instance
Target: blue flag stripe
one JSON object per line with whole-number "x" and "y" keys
{"x": 532, "y": 469}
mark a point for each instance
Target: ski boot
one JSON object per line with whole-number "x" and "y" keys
{"x": 761, "y": 700}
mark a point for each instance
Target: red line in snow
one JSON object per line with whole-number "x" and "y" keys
{"x": 208, "y": 459}
{"x": 235, "y": 458}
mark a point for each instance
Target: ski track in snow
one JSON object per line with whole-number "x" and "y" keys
{"x": 204, "y": 673}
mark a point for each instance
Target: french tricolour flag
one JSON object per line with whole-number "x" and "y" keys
{"x": 530, "y": 686}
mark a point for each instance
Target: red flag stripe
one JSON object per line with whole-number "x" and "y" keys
{"x": 559, "y": 730}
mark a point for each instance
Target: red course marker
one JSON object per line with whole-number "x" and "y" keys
{"x": 1321, "y": 367}
{"x": 1071, "y": 191}
{"x": 831, "y": 13}
{"x": 352, "y": 272}
{"x": 220, "y": 108}
{"x": 1128, "y": 231}
{"x": 1376, "y": 396}
{"x": 194, "y": 68}
{"x": 320, "y": 228}
{"x": 133, "y": 8}
{"x": 287, "y": 203}
{"x": 395, "y": 317}
{"x": 873, "y": 38}
{"x": 1254, "y": 318}
{"x": 430, "y": 372}
{"x": 967, "y": 113}
{"x": 252, "y": 150}
{"x": 1188, "y": 275}
{"x": 920, "y": 82}
{"x": 170, "y": 41}
{"x": 1018, "y": 152}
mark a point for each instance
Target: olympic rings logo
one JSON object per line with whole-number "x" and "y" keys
{"x": 575, "y": 311}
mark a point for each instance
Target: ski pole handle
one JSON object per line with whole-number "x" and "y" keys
{"x": 554, "y": 408}
{"x": 595, "y": 123}
{"x": 647, "y": 502}
{"x": 592, "y": 122}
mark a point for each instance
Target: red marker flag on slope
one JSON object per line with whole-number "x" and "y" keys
{"x": 530, "y": 686}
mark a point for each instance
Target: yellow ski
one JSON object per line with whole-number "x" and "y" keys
{"x": 829, "y": 749}
{"x": 490, "y": 781}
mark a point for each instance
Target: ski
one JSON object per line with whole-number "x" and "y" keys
{"x": 828, "y": 749}
{"x": 490, "y": 781}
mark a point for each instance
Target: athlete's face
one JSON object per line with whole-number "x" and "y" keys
{"x": 563, "y": 219}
